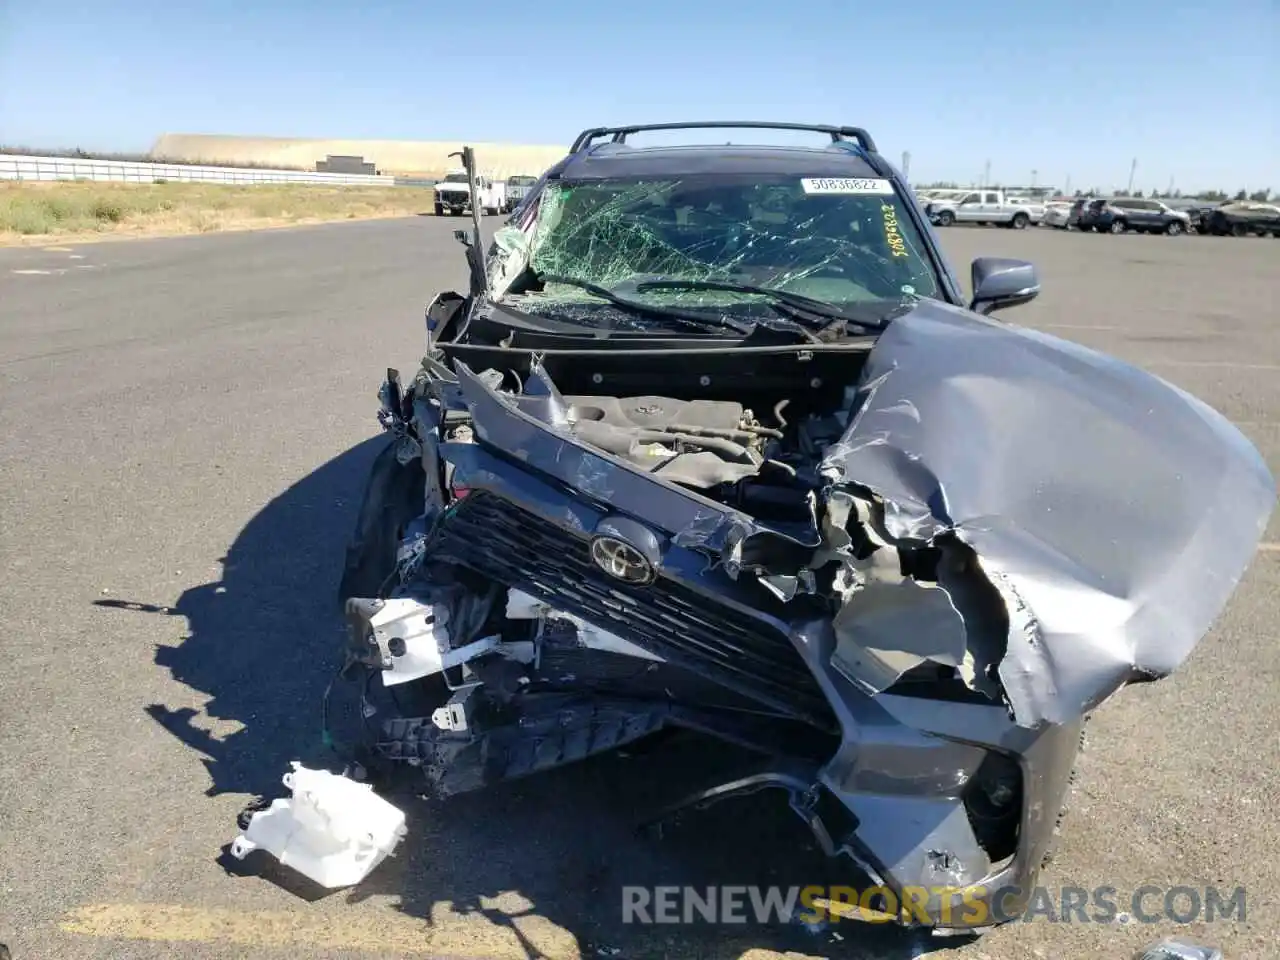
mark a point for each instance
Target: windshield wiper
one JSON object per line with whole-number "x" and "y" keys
{"x": 784, "y": 298}
{"x": 696, "y": 320}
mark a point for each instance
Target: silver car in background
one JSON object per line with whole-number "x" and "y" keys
{"x": 1057, "y": 213}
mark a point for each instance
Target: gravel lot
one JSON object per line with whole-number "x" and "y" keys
{"x": 185, "y": 430}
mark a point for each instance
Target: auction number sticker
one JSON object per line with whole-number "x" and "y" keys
{"x": 892, "y": 234}
{"x": 846, "y": 185}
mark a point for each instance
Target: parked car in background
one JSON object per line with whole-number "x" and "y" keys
{"x": 1195, "y": 216}
{"x": 1243, "y": 219}
{"x": 1077, "y": 211}
{"x": 1057, "y": 214}
{"x": 986, "y": 206}
{"x": 1090, "y": 214}
{"x": 1122, "y": 214}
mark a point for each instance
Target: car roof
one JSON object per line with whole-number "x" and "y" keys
{"x": 609, "y": 161}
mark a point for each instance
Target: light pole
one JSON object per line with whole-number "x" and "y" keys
{"x": 1132, "y": 169}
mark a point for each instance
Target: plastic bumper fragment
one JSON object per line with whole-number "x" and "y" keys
{"x": 333, "y": 830}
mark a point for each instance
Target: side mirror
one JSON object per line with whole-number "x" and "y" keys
{"x": 463, "y": 237}
{"x": 999, "y": 283}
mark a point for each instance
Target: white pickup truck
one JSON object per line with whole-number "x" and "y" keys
{"x": 985, "y": 206}
{"x": 453, "y": 194}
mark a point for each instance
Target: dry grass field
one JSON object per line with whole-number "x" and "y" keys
{"x": 399, "y": 157}
{"x": 66, "y": 211}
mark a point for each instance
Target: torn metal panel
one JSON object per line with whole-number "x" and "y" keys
{"x": 1113, "y": 511}
{"x": 903, "y": 605}
{"x": 907, "y": 767}
{"x": 890, "y": 625}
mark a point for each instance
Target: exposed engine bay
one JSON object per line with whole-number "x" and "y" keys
{"x": 696, "y": 443}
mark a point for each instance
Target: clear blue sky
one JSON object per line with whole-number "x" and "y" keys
{"x": 1078, "y": 88}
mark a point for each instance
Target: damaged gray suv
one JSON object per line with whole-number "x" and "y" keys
{"x": 715, "y": 441}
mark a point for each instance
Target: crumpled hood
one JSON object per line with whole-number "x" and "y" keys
{"x": 1114, "y": 512}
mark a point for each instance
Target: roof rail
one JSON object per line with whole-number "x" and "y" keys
{"x": 620, "y": 134}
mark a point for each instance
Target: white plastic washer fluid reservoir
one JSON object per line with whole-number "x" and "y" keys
{"x": 333, "y": 830}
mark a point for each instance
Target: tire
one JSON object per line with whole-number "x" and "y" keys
{"x": 1239, "y": 230}
{"x": 1117, "y": 226}
{"x": 1019, "y": 221}
{"x": 946, "y": 218}
{"x": 1174, "y": 228}
{"x": 439, "y": 209}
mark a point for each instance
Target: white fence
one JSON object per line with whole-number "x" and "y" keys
{"x": 21, "y": 167}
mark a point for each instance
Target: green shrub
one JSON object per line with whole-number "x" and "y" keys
{"x": 107, "y": 211}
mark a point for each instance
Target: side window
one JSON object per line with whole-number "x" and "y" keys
{"x": 969, "y": 198}
{"x": 991, "y": 198}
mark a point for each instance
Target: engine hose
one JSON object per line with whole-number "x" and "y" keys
{"x": 747, "y": 433}
{"x": 731, "y": 451}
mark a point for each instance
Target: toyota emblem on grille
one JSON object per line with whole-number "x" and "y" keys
{"x": 621, "y": 560}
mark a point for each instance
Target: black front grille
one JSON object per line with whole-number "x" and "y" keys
{"x": 689, "y": 629}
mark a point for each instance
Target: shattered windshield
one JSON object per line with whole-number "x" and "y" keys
{"x": 839, "y": 241}
{"x": 456, "y": 178}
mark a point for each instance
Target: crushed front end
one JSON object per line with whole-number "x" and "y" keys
{"x": 900, "y": 568}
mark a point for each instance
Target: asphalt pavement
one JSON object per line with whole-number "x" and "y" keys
{"x": 185, "y": 425}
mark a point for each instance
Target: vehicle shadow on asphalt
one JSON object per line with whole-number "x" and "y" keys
{"x": 539, "y": 858}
